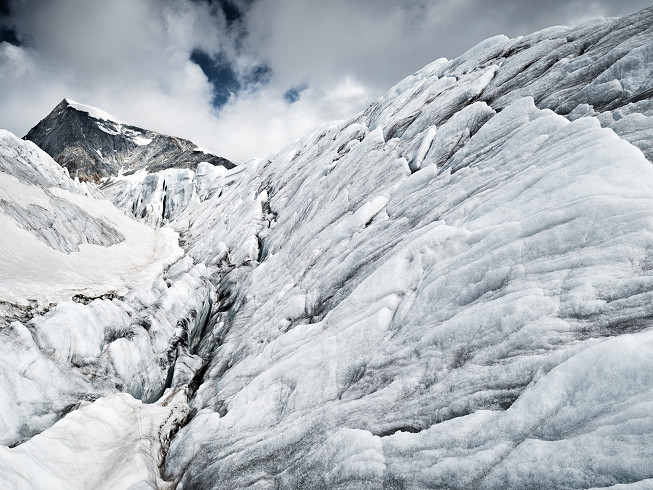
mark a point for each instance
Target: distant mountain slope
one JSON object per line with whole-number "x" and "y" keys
{"x": 94, "y": 145}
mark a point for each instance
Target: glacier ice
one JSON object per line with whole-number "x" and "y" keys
{"x": 453, "y": 289}
{"x": 403, "y": 316}
{"x": 158, "y": 197}
{"x": 391, "y": 303}
{"x": 88, "y": 307}
{"x": 119, "y": 443}
{"x": 58, "y": 242}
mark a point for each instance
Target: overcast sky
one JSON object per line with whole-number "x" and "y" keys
{"x": 243, "y": 77}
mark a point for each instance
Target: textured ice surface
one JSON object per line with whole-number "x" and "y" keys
{"x": 60, "y": 248}
{"x": 389, "y": 303}
{"x": 451, "y": 290}
{"x": 118, "y": 443}
{"x": 157, "y": 198}
{"x": 83, "y": 351}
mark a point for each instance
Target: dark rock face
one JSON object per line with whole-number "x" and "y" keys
{"x": 93, "y": 146}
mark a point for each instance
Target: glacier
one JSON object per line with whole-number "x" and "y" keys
{"x": 453, "y": 289}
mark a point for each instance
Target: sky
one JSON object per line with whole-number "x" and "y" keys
{"x": 242, "y": 78}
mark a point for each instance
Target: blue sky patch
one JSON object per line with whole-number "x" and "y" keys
{"x": 224, "y": 79}
{"x": 292, "y": 94}
{"x": 219, "y": 72}
{"x": 9, "y": 35}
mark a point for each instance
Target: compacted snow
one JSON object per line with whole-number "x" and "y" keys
{"x": 122, "y": 450}
{"x": 451, "y": 290}
{"x": 57, "y": 242}
{"x": 61, "y": 247}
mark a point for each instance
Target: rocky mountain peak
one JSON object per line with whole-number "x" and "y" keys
{"x": 94, "y": 145}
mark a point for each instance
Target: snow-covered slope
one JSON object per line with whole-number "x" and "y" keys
{"x": 123, "y": 449}
{"x": 61, "y": 247}
{"x": 57, "y": 242}
{"x": 93, "y": 145}
{"x": 451, "y": 290}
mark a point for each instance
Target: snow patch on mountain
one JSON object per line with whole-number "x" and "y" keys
{"x": 94, "y": 112}
{"x": 94, "y": 146}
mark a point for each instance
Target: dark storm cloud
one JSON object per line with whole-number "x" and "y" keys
{"x": 8, "y": 33}
{"x": 5, "y": 9}
{"x": 273, "y": 68}
{"x": 231, "y": 11}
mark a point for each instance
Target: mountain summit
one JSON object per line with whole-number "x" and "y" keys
{"x": 93, "y": 145}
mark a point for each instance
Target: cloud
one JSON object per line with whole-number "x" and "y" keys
{"x": 131, "y": 58}
{"x": 292, "y": 64}
{"x": 264, "y": 120}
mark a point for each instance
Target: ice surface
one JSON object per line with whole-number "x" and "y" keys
{"x": 463, "y": 326}
{"x": 391, "y": 303}
{"x": 129, "y": 344}
{"x": 156, "y": 198}
{"x": 453, "y": 289}
{"x": 118, "y": 443}
{"x": 59, "y": 243}
{"x": 114, "y": 128}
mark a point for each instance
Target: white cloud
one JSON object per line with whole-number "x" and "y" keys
{"x": 132, "y": 58}
{"x": 258, "y": 123}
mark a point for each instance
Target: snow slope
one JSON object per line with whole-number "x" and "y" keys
{"x": 57, "y": 242}
{"x": 451, "y": 290}
{"x": 61, "y": 247}
{"x": 122, "y": 451}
